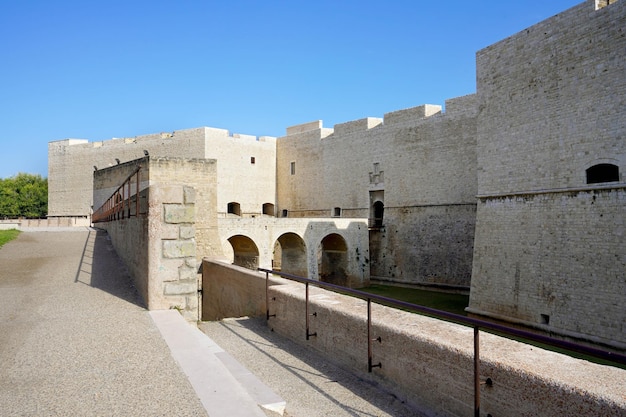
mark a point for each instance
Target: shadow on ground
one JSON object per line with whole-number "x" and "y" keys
{"x": 270, "y": 355}
{"x": 100, "y": 267}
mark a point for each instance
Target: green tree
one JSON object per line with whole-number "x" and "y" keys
{"x": 24, "y": 195}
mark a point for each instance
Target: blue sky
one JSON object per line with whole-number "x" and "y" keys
{"x": 97, "y": 70}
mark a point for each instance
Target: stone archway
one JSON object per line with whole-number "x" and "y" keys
{"x": 290, "y": 255}
{"x": 246, "y": 252}
{"x": 333, "y": 260}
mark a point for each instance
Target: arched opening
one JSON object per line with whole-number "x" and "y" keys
{"x": 333, "y": 260}
{"x": 602, "y": 173}
{"x": 379, "y": 209}
{"x": 234, "y": 208}
{"x": 376, "y": 209}
{"x": 245, "y": 252}
{"x": 268, "y": 209}
{"x": 290, "y": 255}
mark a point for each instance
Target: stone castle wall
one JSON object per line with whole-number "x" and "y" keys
{"x": 549, "y": 248}
{"x": 494, "y": 188}
{"x": 425, "y": 362}
{"x": 71, "y": 165}
{"x": 423, "y": 164}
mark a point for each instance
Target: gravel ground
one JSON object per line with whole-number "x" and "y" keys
{"x": 311, "y": 386}
{"x": 75, "y": 339}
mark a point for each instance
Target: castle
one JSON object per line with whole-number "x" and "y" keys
{"x": 516, "y": 192}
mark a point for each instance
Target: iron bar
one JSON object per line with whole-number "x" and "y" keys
{"x": 114, "y": 207}
{"x": 306, "y": 308}
{"x": 137, "y": 193}
{"x": 267, "y": 296}
{"x": 615, "y": 357}
{"x": 369, "y": 338}
{"x": 476, "y": 372}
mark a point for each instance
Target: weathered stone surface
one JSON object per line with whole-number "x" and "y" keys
{"x": 177, "y": 213}
{"x": 185, "y": 272}
{"x": 171, "y": 194}
{"x": 179, "y": 248}
{"x": 187, "y": 232}
{"x": 180, "y": 287}
{"x": 189, "y": 195}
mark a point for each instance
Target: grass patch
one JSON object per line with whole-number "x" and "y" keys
{"x": 8, "y": 235}
{"x": 452, "y": 303}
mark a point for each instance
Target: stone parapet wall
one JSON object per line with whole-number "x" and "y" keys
{"x": 424, "y": 361}
{"x": 66, "y": 221}
{"x": 233, "y": 291}
{"x": 429, "y": 363}
{"x": 160, "y": 246}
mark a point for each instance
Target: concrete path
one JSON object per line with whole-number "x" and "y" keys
{"x": 75, "y": 340}
{"x": 311, "y": 386}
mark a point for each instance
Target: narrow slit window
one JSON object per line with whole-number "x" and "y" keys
{"x": 292, "y": 168}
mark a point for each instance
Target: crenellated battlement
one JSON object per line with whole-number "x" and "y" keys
{"x": 210, "y": 132}
{"x": 411, "y": 114}
{"x": 357, "y": 125}
{"x": 462, "y": 106}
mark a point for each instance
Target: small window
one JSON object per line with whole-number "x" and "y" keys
{"x": 285, "y": 212}
{"x": 293, "y": 168}
{"x": 602, "y": 173}
{"x": 268, "y": 209}
{"x": 252, "y": 160}
{"x": 337, "y": 212}
{"x": 234, "y": 208}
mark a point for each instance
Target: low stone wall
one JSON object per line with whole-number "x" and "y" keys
{"x": 232, "y": 291}
{"x": 9, "y": 224}
{"x": 78, "y": 221}
{"x": 428, "y": 362}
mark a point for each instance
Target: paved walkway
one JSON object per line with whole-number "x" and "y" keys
{"x": 311, "y": 386}
{"x": 75, "y": 339}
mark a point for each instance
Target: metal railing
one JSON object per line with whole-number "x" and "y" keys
{"x": 118, "y": 206}
{"x": 476, "y": 324}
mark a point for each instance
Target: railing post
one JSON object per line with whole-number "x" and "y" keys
{"x": 267, "y": 296}
{"x": 306, "y": 308}
{"x": 476, "y": 372}
{"x": 137, "y": 194}
{"x": 369, "y": 338}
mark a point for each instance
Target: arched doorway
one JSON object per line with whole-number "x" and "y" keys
{"x": 333, "y": 260}
{"x": 245, "y": 251}
{"x": 290, "y": 255}
{"x": 379, "y": 209}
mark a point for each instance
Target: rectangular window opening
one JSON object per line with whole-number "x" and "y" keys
{"x": 293, "y": 168}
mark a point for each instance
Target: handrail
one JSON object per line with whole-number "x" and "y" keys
{"x": 118, "y": 206}
{"x": 477, "y": 324}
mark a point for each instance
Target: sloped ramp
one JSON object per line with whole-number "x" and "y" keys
{"x": 225, "y": 387}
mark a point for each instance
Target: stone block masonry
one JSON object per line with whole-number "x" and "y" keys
{"x": 160, "y": 246}
{"x": 549, "y": 248}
